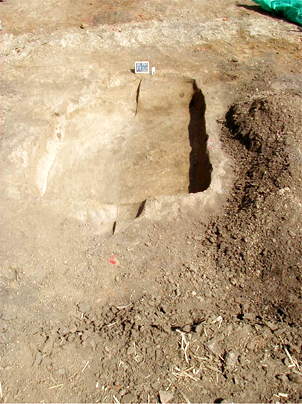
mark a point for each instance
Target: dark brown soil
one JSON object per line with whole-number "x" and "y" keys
{"x": 201, "y": 305}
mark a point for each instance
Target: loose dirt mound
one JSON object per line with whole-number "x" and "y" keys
{"x": 264, "y": 224}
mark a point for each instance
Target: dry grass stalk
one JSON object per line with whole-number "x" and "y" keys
{"x": 123, "y": 307}
{"x": 112, "y": 324}
{"x": 184, "y": 374}
{"x": 53, "y": 380}
{"x": 56, "y": 387}
{"x": 283, "y": 395}
{"x": 184, "y": 345}
{"x": 85, "y": 367}
{"x": 72, "y": 376}
{"x": 218, "y": 320}
{"x": 294, "y": 362}
{"x": 116, "y": 400}
{"x": 212, "y": 368}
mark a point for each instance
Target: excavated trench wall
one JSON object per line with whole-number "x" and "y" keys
{"x": 144, "y": 140}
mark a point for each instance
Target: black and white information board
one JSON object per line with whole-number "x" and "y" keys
{"x": 141, "y": 67}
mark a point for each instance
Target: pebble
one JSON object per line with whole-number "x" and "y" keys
{"x": 38, "y": 359}
{"x": 84, "y": 25}
{"x": 249, "y": 316}
{"x": 71, "y": 338}
{"x": 84, "y": 307}
{"x": 59, "y": 372}
{"x": 271, "y": 326}
{"x": 233, "y": 281}
{"x": 131, "y": 350}
{"x": 193, "y": 268}
{"x": 281, "y": 377}
{"x": 63, "y": 330}
{"x": 187, "y": 328}
{"x": 129, "y": 398}
{"x": 295, "y": 378}
{"x": 213, "y": 346}
{"x": 165, "y": 397}
{"x": 231, "y": 358}
{"x": 48, "y": 344}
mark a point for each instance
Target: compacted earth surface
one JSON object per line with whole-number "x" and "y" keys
{"x": 151, "y": 225}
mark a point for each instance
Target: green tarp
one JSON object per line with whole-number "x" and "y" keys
{"x": 290, "y": 9}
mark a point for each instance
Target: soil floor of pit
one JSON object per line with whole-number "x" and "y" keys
{"x": 200, "y": 298}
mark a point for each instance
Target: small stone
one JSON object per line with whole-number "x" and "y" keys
{"x": 281, "y": 377}
{"x": 271, "y": 325}
{"x": 84, "y": 26}
{"x": 63, "y": 330}
{"x": 213, "y": 346}
{"x": 48, "y": 344}
{"x": 59, "y": 372}
{"x": 38, "y": 359}
{"x": 97, "y": 322}
{"x": 117, "y": 279}
{"x": 287, "y": 362}
{"x": 71, "y": 338}
{"x": 187, "y": 328}
{"x": 251, "y": 345}
{"x": 295, "y": 378}
{"x": 199, "y": 329}
{"x": 92, "y": 343}
{"x": 249, "y": 316}
{"x": 165, "y": 397}
{"x": 280, "y": 332}
{"x": 231, "y": 358}
{"x": 129, "y": 398}
{"x": 131, "y": 350}
{"x": 84, "y": 307}
{"x": 233, "y": 281}
{"x": 193, "y": 268}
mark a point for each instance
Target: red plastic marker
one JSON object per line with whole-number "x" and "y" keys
{"x": 112, "y": 260}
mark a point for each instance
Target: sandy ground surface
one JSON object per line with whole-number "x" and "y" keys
{"x": 120, "y": 281}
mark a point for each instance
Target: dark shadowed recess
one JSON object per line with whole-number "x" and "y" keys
{"x": 200, "y": 166}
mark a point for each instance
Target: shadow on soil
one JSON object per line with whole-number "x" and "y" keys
{"x": 200, "y": 166}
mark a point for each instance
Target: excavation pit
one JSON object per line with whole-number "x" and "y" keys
{"x": 147, "y": 140}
